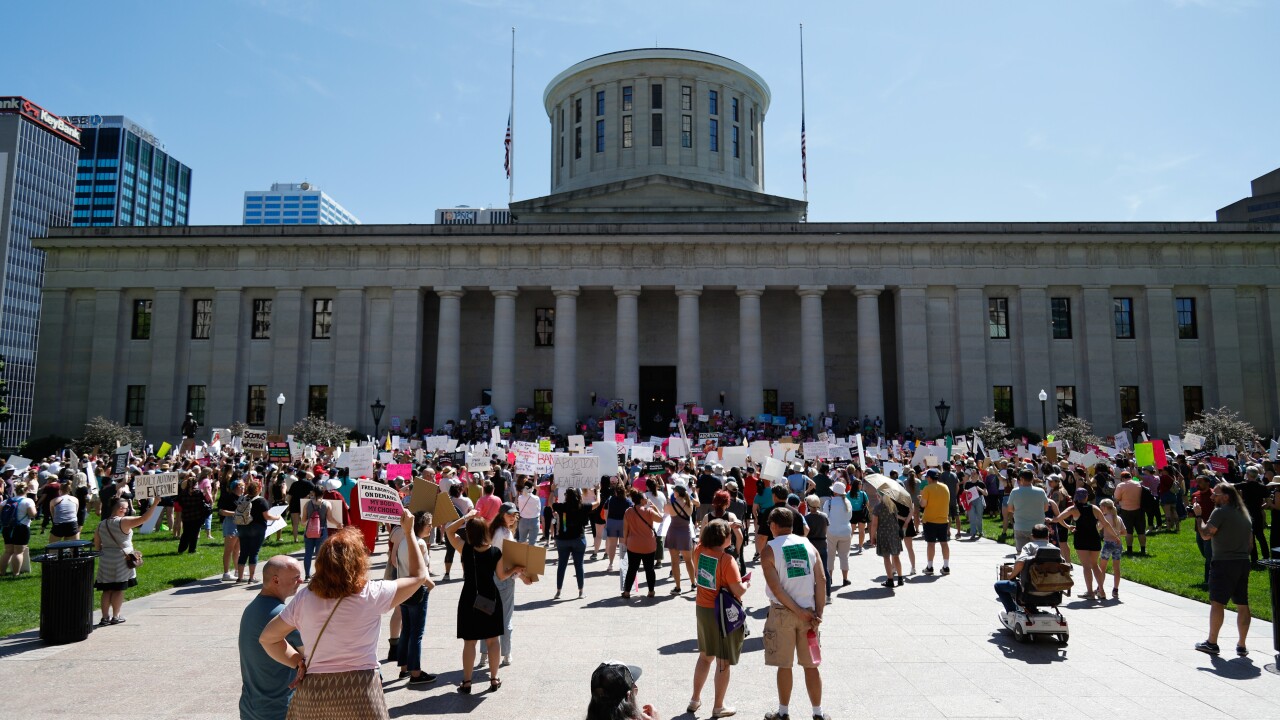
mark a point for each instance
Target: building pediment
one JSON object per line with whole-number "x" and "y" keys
{"x": 658, "y": 198}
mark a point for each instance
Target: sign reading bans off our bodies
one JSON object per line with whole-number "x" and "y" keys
{"x": 576, "y": 471}
{"x": 378, "y": 502}
{"x": 156, "y": 486}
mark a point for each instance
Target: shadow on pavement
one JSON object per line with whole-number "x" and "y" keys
{"x": 192, "y": 586}
{"x": 1032, "y": 653}
{"x": 1238, "y": 669}
{"x": 680, "y": 648}
{"x": 21, "y": 643}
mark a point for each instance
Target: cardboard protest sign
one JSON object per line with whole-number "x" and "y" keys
{"x": 839, "y": 452}
{"x": 400, "y": 470}
{"x": 576, "y": 471}
{"x": 577, "y": 443}
{"x": 1051, "y": 454}
{"x": 423, "y": 498}
{"x": 479, "y": 461}
{"x": 759, "y": 450}
{"x": 254, "y": 441}
{"x": 774, "y": 469}
{"x": 445, "y": 512}
{"x": 677, "y": 447}
{"x": 155, "y": 486}
{"x": 734, "y": 456}
{"x": 643, "y": 453}
{"x": 436, "y": 443}
{"x": 377, "y": 502}
{"x": 533, "y": 558}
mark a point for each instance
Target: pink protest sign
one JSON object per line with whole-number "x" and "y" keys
{"x": 378, "y": 503}
{"x": 400, "y": 470}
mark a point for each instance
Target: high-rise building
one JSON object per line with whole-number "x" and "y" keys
{"x": 38, "y": 152}
{"x": 294, "y": 204}
{"x": 1262, "y": 205}
{"x": 125, "y": 177}
{"x": 466, "y": 215}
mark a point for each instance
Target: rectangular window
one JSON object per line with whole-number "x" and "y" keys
{"x": 626, "y": 131}
{"x": 257, "y": 405}
{"x": 734, "y": 104}
{"x": 135, "y": 404}
{"x": 655, "y": 130}
{"x": 1187, "y": 327}
{"x": 544, "y": 327}
{"x": 626, "y": 99}
{"x": 735, "y": 142}
{"x": 771, "y": 401}
{"x": 201, "y": 319}
{"x": 195, "y": 402}
{"x": 322, "y": 319}
{"x": 998, "y": 318}
{"x": 1192, "y": 402}
{"x": 714, "y": 136}
{"x": 599, "y": 136}
{"x": 1123, "y": 318}
{"x": 318, "y": 401}
{"x": 1002, "y": 403}
{"x": 1130, "y": 406}
{"x": 577, "y": 143}
{"x": 577, "y": 110}
{"x": 1066, "y": 401}
{"x": 542, "y": 404}
{"x": 686, "y": 131}
{"x": 655, "y": 97}
{"x": 599, "y": 103}
{"x": 141, "y": 320}
{"x": 1060, "y": 314}
{"x": 261, "y": 319}
{"x": 561, "y": 137}
{"x": 686, "y": 97}
{"x": 713, "y": 102}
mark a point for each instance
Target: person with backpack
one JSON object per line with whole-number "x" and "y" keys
{"x": 228, "y": 498}
{"x": 719, "y": 638}
{"x": 15, "y": 520}
{"x": 252, "y": 516}
{"x": 315, "y": 515}
{"x": 640, "y": 540}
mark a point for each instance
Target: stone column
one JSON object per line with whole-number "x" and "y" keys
{"x": 228, "y": 395}
{"x": 346, "y": 397}
{"x": 1099, "y": 335}
{"x": 165, "y": 408}
{"x": 1272, "y": 369}
{"x": 626, "y": 372}
{"x": 913, "y": 360}
{"x": 971, "y": 321}
{"x": 1033, "y": 301}
{"x": 564, "y": 384}
{"x": 870, "y": 373}
{"x": 287, "y": 331}
{"x": 53, "y": 360}
{"x": 406, "y": 364}
{"x": 448, "y": 356}
{"x": 1164, "y": 409}
{"x": 504, "y": 352}
{"x": 813, "y": 358}
{"x": 750, "y": 353}
{"x": 688, "y": 351}
{"x": 108, "y": 322}
{"x": 1226, "y": 346}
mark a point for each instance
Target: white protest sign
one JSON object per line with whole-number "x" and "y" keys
{"x": 774, "y": 469}
{"x": 526, "y": 457}
{"x": 676, "y": 447}
{"x": 577, "y": 443}
{"x": 450, "y": 445}
{"x": 155, "y": 486}
{"x": 1192, "y": 442}
{"x": 1226, "y": 451}
{"x": 385, "y": 458}
{"x": 19, "y": 463}
{"x": 759, "y": 450}
{"x": 378, "y": 503}
{"x": 254, "y": 441}
{"x": 610, "y": 430}
{"x": 1109, "y": 451}
{"x": 1122, "y": 441}
{"x": 1175, "y": 444}
{"x": 815, "y": 450}
{"x": 839, "y": 452}
{"x": 734, "y": 456}
{"x": 359, "y": 460}
{"x": 1076, "y": 458}
{"x": 281, "y": 512}
{"x": 436, "y": 443}
{"x": 576, "y": 471}
{"x": 643, "y": 453}
{"x": 478, "y": 461}
{"x": 608, "y": 454}
{"x": 892, "y": 467}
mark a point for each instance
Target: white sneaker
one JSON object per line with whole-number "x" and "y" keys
{"x": 226, "y": 577}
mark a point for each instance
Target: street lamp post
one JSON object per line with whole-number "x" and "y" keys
{"x": 943, "y": 410}
{"x": 279, "y": 412}
{"x": 376, "y": 408}
{"x": 1044, "y": 421}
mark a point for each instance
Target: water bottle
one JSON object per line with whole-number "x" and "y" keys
{"x": 815, "y": 652}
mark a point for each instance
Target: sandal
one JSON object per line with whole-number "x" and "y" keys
{"x": 105, "y": 621}
{"x": 693, "y": 706}
{"x": 465, "y": 687}
{"x": 495, "y": 685}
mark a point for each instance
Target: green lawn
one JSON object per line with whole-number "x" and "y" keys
{"x": 163, "y": 569}
{"x": 1173, "y": 564}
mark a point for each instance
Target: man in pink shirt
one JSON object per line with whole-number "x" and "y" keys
{"x": 487, "y": 506}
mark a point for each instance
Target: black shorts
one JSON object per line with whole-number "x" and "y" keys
{"x": 937, "y": 532}
{"x": 19, "y": 534}
{"x": 955, "y": 512}
{"x": 66, "y": 529}
{"x": 1135, "y": 521}
{"x": 860, "y": 516}
{"x": 1229, "y": 581}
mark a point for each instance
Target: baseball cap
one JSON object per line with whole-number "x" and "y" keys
{"x": 507, "y": 508}
{"x": 793, "y": 500}
{"x": 931, "y": 472}
{"x": 612, "y": 680}
{"x": 1081, "y": 494}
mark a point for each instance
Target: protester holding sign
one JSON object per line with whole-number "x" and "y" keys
{"x": 252, "y": 515}
{"x": 571, "y": 542}
{"x": 195, "y": 508}
{"x": 479, "y": 604}
{"x": 717, "y": 575}
{"x": 117, "y": 566}
{"x": 228, "y": 498}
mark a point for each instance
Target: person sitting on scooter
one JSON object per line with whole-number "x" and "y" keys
{"x": 1007, "y": 589}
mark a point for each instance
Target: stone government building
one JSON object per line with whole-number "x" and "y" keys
{"x": 659, "y": 272}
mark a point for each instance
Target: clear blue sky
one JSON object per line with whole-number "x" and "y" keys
{"x": 918, "y": 110}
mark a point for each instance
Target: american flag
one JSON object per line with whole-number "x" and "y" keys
{"x": 804, "y": 158}
{"x": 506, "y": 162}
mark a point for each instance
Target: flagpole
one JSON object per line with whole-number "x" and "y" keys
{"x": 804, "y": 161}
{"x": 511, "y": 174}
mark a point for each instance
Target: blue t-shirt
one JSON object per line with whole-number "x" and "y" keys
{"x": 1028, "y": 507}
{"x": 798, "y": 482}
{"x": 264, "y": 683}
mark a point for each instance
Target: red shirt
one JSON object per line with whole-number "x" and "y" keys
{"x": 1205, "y": 499}
{"x": 488, "y": 506}
{"x": 749, "y": 485}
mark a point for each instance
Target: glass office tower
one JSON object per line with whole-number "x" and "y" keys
{"x": 125, "y": 177}
{"x": 294, "y": 204}
{"x": 38, "y": 152}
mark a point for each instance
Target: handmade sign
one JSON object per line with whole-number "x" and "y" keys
{"x": 282, "y": 517}
{"x": 676, "y": 447}
{"x": 544, "y": 445}
{"x": 1192, "y": 442}
{"x": 164, "y": 450}
{"x": 479, "y": 461}
{"x": 533, "y": 558}
{"x": 759, "y": 450}
{"x": 1220, "y": 465}
{"x": 577, "y": 443}
{"x": 526, "y": 458}
{"x": 608, "y": 454}
{"x": 378, "y": 503}
{"x": 254, "y": 441}
{"x": 278, "y": 451}
{"x": 155, "y": 486}
{"x": 359, "y": 461}
{"x": 576, "y": 471}
{"x": 734, "y": 456}
{"x": 815, "y": 450}
{"x": 445, "y": 512}
{"x": 773, "y": 469}
{"x": 119, "y": 467}
{"x": 643, "y": 453}
{"x": 423, "y": 498}
{"x": 399, "y": 470}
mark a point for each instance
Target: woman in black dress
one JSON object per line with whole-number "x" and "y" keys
{"x": 479, "y": 605}
{"x": 1088, "y": 540}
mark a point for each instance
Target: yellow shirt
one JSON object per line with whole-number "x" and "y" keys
{"x": 937, "y": 499}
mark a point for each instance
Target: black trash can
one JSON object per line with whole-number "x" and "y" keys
{"x": 66, "y": 591}
{"x": 1273, "y": 574}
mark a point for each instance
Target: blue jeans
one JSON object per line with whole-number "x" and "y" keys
{"x": 311, "y": 545}
{"x": 527, "y": 531}
{"x": 570, "y": 549}
{"x": 413, "y": 616}
{"x": 1206, "y": 550}
{"x": 507, "y": 592}
{"x": 1005, "y": 590}
{"x": 251, "y": 538}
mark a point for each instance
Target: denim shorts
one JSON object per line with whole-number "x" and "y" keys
{"x": 229, "y": 528}
{"x": 1111, "y": 550}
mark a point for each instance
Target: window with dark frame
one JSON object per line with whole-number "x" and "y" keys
{"x": 1130, "y": 405}
{"x": 713, "y": 136}
{"x": 1002, "y": 403}
{"x": 626, "y": 131}
{"x": 626, "y": 99}
{"x": 998, "y": 318}
{"x": 733, "y": 102}
{"x": 600, "y": 136}
{"x": 1060, "y": 315}
{"x": 771, "y": 401}
{"x": 655, "y": 130}
{"x": 544, "y": 327}
{"x": 141, "y": 320}
{"x": 735, "y": 141}
{"x": 561, "y": 137}
{"x": 686, "y": 131}
{"x": 261, "y": 319}
{"x": 322, "y": 319}
{"x": 542, "y": 403}
{"x": 1066, "y": 395}
{"x": 196, "y": 395}
{"x": 135, "y": 404}
{"x": 686, "y": 98}
{"x": 257, "y": 405}
{"x": 655, "y": 97}
{"x": 318, "y": 401}
{"x": 577, "y": 110}
{"x": 599, "y": 103}
{"x": 1192, "y": 402}
{"x": 577, "y": 143}
{"x": 201, "y": 319}
{"x": 1188, "y": 329}
{"x": 1123, "y": 310}
{"x": 713, "y": 102}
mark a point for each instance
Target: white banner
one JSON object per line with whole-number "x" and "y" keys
{"x": 576, "y": 471}
{"x": 359, "y": 460}
{"x": 155, "y": 486}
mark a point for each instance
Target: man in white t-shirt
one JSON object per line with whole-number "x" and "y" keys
{"x": 796, "y": 588}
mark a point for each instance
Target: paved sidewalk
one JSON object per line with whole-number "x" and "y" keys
{"x": 932, "y": 649}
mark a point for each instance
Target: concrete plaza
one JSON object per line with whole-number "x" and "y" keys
{"x": 931, "y": 649}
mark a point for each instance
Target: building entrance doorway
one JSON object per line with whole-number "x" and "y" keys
{"x": 657, "y": 399}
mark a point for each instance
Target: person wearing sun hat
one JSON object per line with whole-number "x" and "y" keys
{"x": 613, "y": 694}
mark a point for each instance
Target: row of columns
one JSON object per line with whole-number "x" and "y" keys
{"x": 689, "y": 358}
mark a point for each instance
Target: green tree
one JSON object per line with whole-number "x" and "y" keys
{"x": 103, "y": 434}
{"x": 994, "y": 434}
{"x": 313, "y": 430}
{"x": 1222, "y": 426}
{"x": 1076, "y": 431}
{"x": 236, "y": 429}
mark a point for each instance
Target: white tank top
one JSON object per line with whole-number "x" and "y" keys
{"x": 795, "y": 560}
